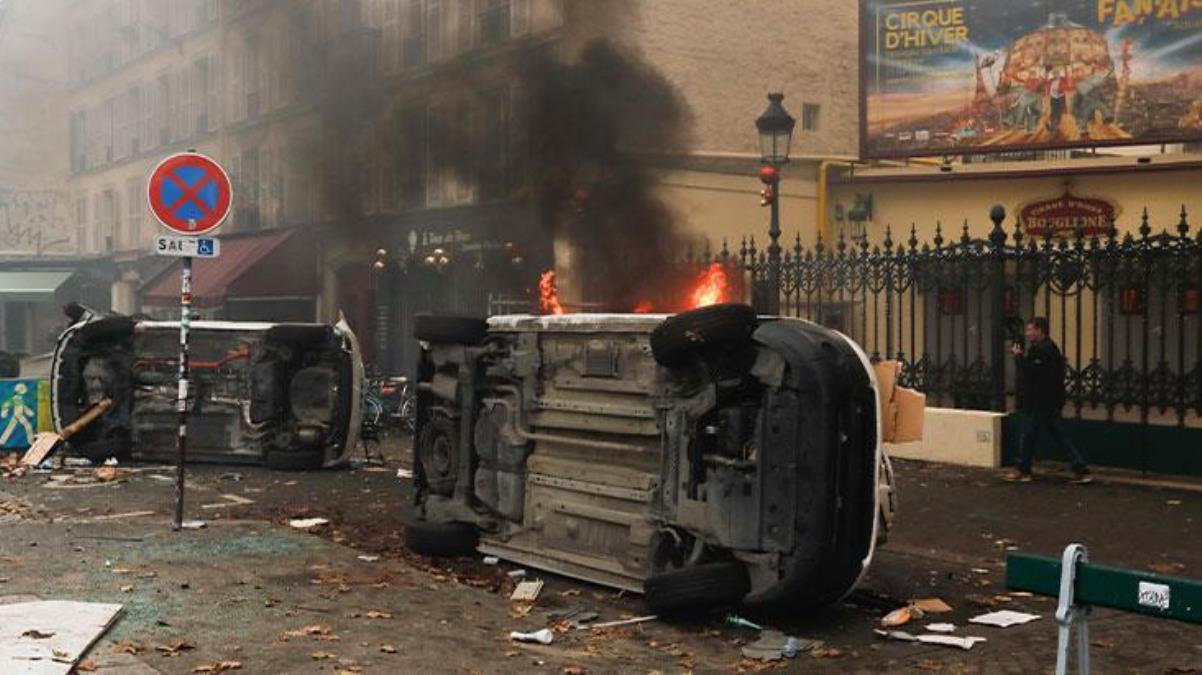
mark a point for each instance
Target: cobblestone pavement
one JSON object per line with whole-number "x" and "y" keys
{"x": 249, "y": 588}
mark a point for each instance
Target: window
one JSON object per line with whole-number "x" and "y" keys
{"x": 108, "y": 112}
{"x": 248, "y": 187}
{"x": 435, "y": 24}
{"x": 494, "y": 21}
{"x": 412, "y": 158}
{"x": 250, "y": 76}
{"x": 413, "y": 34}
{"x": 387, "y": 159}
{"x": 494, "y": 143}
{"x": 160, "y": 116}
{"x": 204, "y": 91}
{"x": 79, "y": 141}
{"x": 809, "y": 116}
{"x": 81, "y": 224}
{"x": 181, "y": 106}
{"x": 129, "y": 118}
{"x": 135, "y": 212}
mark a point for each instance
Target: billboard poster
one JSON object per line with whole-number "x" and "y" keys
{"x": 943, "y": 77}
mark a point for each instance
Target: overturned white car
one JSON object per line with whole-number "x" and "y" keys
{"x": 286, "y": 395}
{"x": 705, "y": 459}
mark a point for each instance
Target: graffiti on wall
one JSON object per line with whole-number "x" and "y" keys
{"x": 34, "y": 220}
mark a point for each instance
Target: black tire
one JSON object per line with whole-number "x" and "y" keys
{"x": 696, "y": 589}
{"x": 442, "y": 540}
{"x": 115, "y": 443}
{"x": 437, "y": 448}
{"x": 107, "y": 328}
{"x": 456, "y": 330}
{"x": 286, "y": 460}
{"x": 679, "y": 338}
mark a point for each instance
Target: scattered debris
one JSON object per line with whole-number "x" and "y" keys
{"x": 307, "y": 523}
{"x": 35, "y": 634}
{"x": 193, "y": 525}
{"x": 544, "y": 636}
{"x": 826, "y": 652}
{"x": 230, "y": 500}
{"x": 516, "y": 574}
{"x": 369, "y": 558}
{"x": 1004, "y": 618}
{"x": 901, "y": 617}
{"x": 931, "y": 605}
{"x": 774, "y": 645}
{"x": 980, "y": 601}
{"x": 376, "y": 614}
{"x": 1173, "y": 502}
{"x": 966, "y": 642}
{"x": 980, "y": 570}
{"x": 620, "y": 622}
{"x": 218, "y": 667}
{"x": 388, "y": 649}
{"x": 736, "y": 621}
{"x": 322, "y": 656}
{"x": 941, "y": 627}
{"x": 527, "y": 591}
{"x": 131, "y": 648}
{"x": 108, "y": 474}
{"x": 491, "y": 560}
{"x": 47, "y": 441}
{"x": 404, "y": 473}
{"x": 930, "y": 665}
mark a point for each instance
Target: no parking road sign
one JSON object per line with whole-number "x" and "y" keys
{"x": 189, "y": 193}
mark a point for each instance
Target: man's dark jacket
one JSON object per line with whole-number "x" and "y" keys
{"x": 1041, "y": 378}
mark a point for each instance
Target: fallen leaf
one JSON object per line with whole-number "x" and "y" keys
{"x": 218, "y": 667}
{"x": 1102, "y": 644}
{"x": 375, "y": 614}
{"x": 174, "y": 648}
{"x": 928, "y": 665}
{"x": 122, "y": 570}
{"x": 35, "y": 634}
{"x": 574, "y": 670}
{"x": 85, "y": 667}
{"x": 826, "y": 652}
{"x": 127, "y": 648}
{"x": 1161, "y": 567}
{"x": 388, "y": 649}
{"x": 127, "y": 589}
{"x": 311, "y": 629}
{"x": 512, "y": 653}
{"x": 322, "y": 656}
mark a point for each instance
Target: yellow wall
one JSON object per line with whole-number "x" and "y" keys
{"x": 954, "y": 199}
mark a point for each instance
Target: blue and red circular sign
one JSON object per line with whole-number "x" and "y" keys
{"x": 189, "y": 193}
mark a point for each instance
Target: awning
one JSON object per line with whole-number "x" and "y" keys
{"x": 31, "y": 285}
{"x": 261, "y": 266}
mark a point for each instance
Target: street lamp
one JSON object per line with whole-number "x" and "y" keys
{"x": 776, "y": 131}
{"x": 775, "y": 127}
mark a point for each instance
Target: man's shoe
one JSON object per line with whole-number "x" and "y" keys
{"x": 1016, "y": 477}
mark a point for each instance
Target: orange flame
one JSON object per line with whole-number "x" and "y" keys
{"x": 711, "y": 288}
{"x": 548, "y": 295}
{"x": 644, "y": 307}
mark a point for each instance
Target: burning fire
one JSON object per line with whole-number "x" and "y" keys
{"x": 644, "y": 307}
{"x": 548, "y": 295}
{"x": 711, "y": 288}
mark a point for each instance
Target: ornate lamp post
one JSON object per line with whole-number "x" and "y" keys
{"x": 775, "y": 127}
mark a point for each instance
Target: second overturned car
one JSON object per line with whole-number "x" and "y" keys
{"x": 283, "y": 394}
{"x": 704, "y": 459}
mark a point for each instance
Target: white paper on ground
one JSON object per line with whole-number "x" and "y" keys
{"x": 941, "y": 627}
{"x": 965, "y": 642}
{"x": 75, "y": 626}
{"x": 307, "y": 523}
{"x": 1004, "y": 618}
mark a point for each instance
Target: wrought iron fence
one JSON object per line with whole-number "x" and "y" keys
{"x": 1123, "y": 308}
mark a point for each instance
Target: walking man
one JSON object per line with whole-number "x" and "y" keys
{"x": 1040, "y": 397}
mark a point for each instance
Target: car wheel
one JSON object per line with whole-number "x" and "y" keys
{"x": 679, "y": 338}
{"x": 441, "y": 540}
{"x": 285, "y": 460}
{"x": 115, "y": 443}
{"x": 456, "y": 330}
{"x": 696, "y": 588}
{"x": 438, "y": 452}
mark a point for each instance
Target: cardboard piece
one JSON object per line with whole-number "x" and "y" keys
{"x": 902, "y": 410}
{"x": 49, "y": 637}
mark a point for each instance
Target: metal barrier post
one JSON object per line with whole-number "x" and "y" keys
{"x": 1069, "y": 613}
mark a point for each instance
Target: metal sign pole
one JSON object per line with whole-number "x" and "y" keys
{"x": 181, "y": 405}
